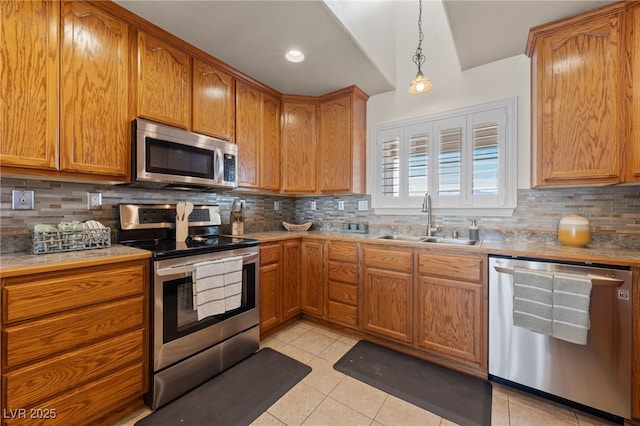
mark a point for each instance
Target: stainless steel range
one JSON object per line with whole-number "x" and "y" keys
{"x": 192, "y": 341}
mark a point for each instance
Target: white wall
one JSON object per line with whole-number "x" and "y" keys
{"x": 452, "y": 88}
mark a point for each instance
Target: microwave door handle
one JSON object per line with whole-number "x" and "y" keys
{"x": 218, "y": 165}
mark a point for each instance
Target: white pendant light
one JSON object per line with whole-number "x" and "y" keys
{"x": 420, "y": 83}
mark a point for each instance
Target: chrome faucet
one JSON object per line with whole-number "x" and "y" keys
{"x": 426, "y": 208}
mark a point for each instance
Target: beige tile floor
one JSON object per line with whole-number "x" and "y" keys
{"x": 328, "y": 397}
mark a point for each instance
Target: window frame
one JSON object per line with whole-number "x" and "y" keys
{"x": 503, "y": 111}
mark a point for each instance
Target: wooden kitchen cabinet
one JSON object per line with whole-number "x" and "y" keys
{"x": 342, "y": 142}
{"x": 312, "y": 297}
{"x": 299, "y": 145}
{"x": 581, "y": 97}
{"x": 257, "y": 137}
{"x": 75, "y": 341}
{"x": 451, "y": 306}
{"x": 279, "y": 283}
{"x": 85, "y": 70}
{"x": 634, "y": 170}
{"x": 342, "y": 283}
{"x": 386, "y": 299}
{"x": 164, "y": 82}
{"x": 213, "y": 108}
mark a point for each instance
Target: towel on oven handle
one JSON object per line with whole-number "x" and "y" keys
{"x": 208, "y": 288}
{"x": 233, "y": 282}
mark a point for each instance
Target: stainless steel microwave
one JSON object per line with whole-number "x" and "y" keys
{"x": 168, "y": 157}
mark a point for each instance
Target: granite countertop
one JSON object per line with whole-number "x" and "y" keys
{"x": 12, "y": 264}
{"x": 554, "y": 251}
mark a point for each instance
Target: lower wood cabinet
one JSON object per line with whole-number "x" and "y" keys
{"x": 386, "y": 300}
{"x": 342, "y": 283}
{"x": 279, "y": 283}
{"x": 451, "y": 306}
{"x": 313, "y": 289}
{"x": 74, "y": 342}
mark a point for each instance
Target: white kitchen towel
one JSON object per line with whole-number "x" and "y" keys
{"x": 533, "y": 300}
{"x": 571, "y": 301}
{"x": 233, "y": 282}
{"x": 208, "y": 288}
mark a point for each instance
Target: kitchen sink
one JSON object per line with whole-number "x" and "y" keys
{"x": 431, "y": 240}
{"x": 400, "y": 237}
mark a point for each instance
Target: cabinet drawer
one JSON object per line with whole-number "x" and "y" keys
{"x": 47, "y": 379}
{"x": 63, "y": 292}
{"x": 345, "y": 272}
{"x": 343, "y": 293}
{"x": 90, "y": 402}
{"x": 45, "y": 337}
{"x": 270, "y": 254}
{"x": 388, "y": 259}
{"x": 343, "y": 314}
{"x": 466, "y": 268}
{"x": 343, "y": 252}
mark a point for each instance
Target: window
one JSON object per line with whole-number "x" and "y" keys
{"x": 465, "y": 159}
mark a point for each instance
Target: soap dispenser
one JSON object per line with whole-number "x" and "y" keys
{"x": 473, "y": 231}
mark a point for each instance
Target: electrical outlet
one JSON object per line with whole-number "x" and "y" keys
{"x": 340, "y": 205}
{"x": 363, "y": 205}
{"x": 314, "y": 206}
{"x": 276, "y": 205}
{"x": 94, "y": 200}
{"x": 22, "y": 199}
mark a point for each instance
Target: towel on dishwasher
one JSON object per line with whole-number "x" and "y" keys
{"x": 533, "y": 300}
{"x": 571, "y": 300}
{"x": 208, "y": 288}
{"x": 232, "y": 282}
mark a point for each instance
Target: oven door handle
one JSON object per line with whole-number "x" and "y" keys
{"x": 188, "y": 268}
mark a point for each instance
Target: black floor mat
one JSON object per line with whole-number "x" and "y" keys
{"x": 235, "y": 397}
{"x": 455, "y": 396}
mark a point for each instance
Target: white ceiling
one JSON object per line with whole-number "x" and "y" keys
{"x": 252, "y": 36}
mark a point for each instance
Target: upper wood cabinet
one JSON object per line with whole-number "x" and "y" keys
{"x": 164, "y": 82}
{"x": 257, "y": 137}
{"x": 581, "y": 97}
{"x": 634, "y": 170}
{"x": 30, "y": 68}
{"x": 299, "y": 141}
{"x": 94, "y": 124}
{"x": 213, "y": 100}
{"x": 84, "y": 70}
{"x": 342, "y": 142}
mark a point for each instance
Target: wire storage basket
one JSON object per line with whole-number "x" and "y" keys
{"x": 291, "y": 227}
{"x": 57, "y": 241}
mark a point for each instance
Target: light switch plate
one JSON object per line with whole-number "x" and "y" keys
{"x": 340, "y": 205}
{"x": 314, "y": 206}
{"x": 22, "y": 199}
{"x": 363, "y": 205}
{"x": 276, "y": 205}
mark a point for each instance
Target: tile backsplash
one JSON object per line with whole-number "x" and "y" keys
{"x": 614, "y": 212}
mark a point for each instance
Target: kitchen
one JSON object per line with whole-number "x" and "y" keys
{"x": 612, "y": 210}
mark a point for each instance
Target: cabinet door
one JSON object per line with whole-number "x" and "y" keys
{"x": 94, "y": 124}
{"x": 164, "y": 82}
{"x": 270, "y": 295}
{"x": 386, "y": 303}
{"x": 313, "y": 294}
{"x": 299, "y": 157}
{"x": 635, "y": 140}
{"x": 247, "y": 133}
{"x": 213, "y": 101}
{"x": 334, "y": 147}
{"x": 580, "y": 73}
{"x": 448, "y": 318}
{"x": 292, "y": 255}
{"x": 270, "y": 143}
{"x": 29, "y": 84}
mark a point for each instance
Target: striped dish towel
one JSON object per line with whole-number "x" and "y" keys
{"x": 571, "y": 300}
{"x": 533, "y": 300}
{"x": 208, "y": 288}
{"x": 232, "y": 283}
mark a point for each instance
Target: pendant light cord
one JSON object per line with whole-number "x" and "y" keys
{"x": 419, "y": 58}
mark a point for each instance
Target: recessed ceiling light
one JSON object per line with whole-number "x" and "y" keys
{"x": 294, "y": 56}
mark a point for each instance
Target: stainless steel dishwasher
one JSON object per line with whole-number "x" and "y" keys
{"x": 595, "y": 375}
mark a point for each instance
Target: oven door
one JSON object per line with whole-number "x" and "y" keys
{"x": 177, "y": 332}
